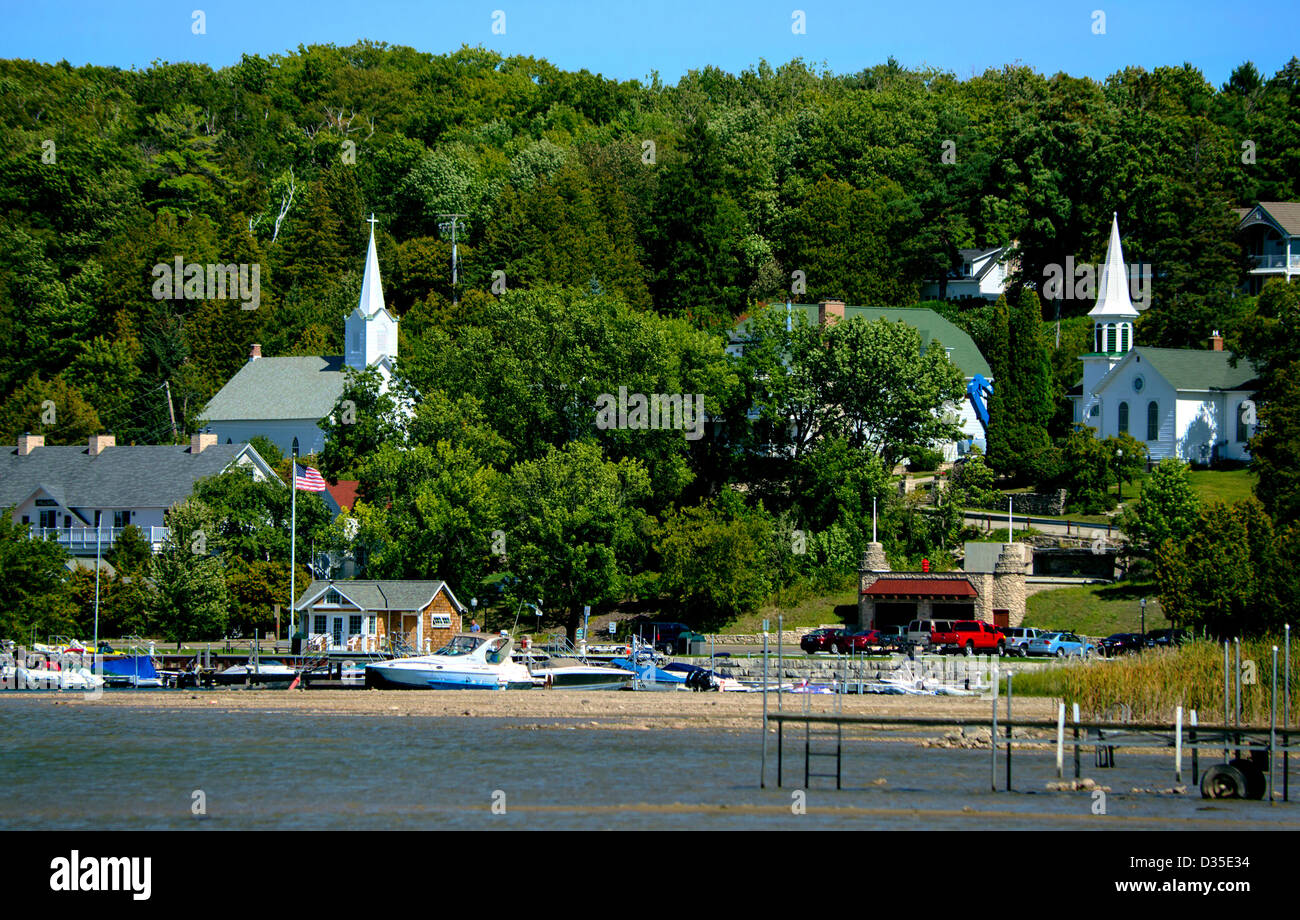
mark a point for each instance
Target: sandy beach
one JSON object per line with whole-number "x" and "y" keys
{"x": 561, "y": 709}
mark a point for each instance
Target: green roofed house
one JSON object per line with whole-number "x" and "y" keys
{"x": 935, "y": 331}
{"x": 1196, "y": 405}
{"x": 285, "y": 399}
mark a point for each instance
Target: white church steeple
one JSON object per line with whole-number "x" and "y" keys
{"x": 1113, "y": 315}
{"x": 370, "y": 331}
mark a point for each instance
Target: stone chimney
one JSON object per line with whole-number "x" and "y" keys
{"x": 255, "y": 352}
{"x": 830, "y": 308}
{"x": 100, "y": 442}
{"x": 201, "y": 441}
{"x": 1216, "y": 341}
{"x": 29, "y": 442}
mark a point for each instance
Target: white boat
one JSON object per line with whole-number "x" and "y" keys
{"x": 18, "y": 678}
{"x": 470, "y": 661}
{"x": 269, "y": 671}
{"x": 558, "y": 673}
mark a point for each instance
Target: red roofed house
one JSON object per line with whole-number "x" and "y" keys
{"x": 888, "y": 598}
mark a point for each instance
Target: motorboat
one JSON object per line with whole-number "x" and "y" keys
{"x": 259, "y": 671}
{"x": 470, "y": 661}
{"x": 649, "y": 676}
{"x": 130, "y": 670}
{"x": 563, "y": 673}
{"x": 21, "y": 678}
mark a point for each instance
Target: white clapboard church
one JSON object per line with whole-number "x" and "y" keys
{"x": 285, "y": 399}
{"x": 1187, "y": 403}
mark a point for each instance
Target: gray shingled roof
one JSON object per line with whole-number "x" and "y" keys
{"x": 279, "y": 388}
{"x": 1285, "y": 213}
{"x": 1197, "y": 369}
{"x": 147, "y": 476}
{"x": 928, "y": 323}
{"x": 380, "y": 595}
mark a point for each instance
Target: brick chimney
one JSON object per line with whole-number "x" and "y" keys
{"x": 255, "y": 352}
{"x": 98, "y": 443}
{"x": 830, "y": 308}
{"x": 1216, "y": 341}
{"x": 201, "y": 441}
{"x": 29, "y": 442}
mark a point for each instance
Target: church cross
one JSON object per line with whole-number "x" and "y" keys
{"x": 371, "y": 221}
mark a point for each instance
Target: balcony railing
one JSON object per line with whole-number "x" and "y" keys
{"x": 80, "y": 540}
{"x": 1275, "y": 262}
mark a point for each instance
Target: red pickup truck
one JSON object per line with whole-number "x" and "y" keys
{"x": 969, "y": 637}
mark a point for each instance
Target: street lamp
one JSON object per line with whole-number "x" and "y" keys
{"x": 1143, "y": 604}
{"x": 1119, "y": 473}
{"x": 473, "y": 602}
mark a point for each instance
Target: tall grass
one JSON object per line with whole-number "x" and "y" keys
{"x": 1154, "y": 683}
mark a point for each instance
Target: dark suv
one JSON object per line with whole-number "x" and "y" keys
{"x": 1120, "y": 644}
{"x": 1164, "y": 638}
{"x": 666, "y": 637}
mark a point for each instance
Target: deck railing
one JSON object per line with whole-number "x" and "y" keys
{"x": 81, "y": 540}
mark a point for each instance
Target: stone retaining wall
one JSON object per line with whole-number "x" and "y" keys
{"x": 1031, "y": 503}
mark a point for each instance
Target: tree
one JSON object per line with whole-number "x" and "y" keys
{"x": 191, "y": 601}
{"x": 572, "y": 529}
{"x": 130, "y": 552}
{"x": 1022, "y": 405}
{"x": 714, "y": 560}
{"x": 1166, "y": 510}
{"x": 51, "y": 408}
{"x": 34, "y": 576}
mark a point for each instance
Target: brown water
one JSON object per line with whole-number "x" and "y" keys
{"x": 138, "y": 768}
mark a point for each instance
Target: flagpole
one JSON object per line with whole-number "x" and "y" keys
{"x": 293, "y": 541}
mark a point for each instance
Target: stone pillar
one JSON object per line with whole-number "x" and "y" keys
{"x": 1009, "y": 583}
{"x": 873, "y": 565}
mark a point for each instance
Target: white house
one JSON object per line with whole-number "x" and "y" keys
{"x": 1186, "y": 403}
{"x": 983, "y": 273}
{"x": 1270, "y": 232}
{"x": 64, "y": 492}
{"x": 285, "y": 399}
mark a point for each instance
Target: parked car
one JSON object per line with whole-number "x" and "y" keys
{"x": 1164, "y": 638}
{"x": 821, "y": 640}
{"x": 1019, "y": 637}
{"x": 666, "y": 637}
{"x": 864, "y": 640}
{"x": 971, "y": 636}
{"x": 1120, "y": 644}
{"x": 922, "y": 632}
{"x": 1061, "y": 645}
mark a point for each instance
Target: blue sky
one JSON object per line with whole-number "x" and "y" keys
{"x": 629, "y": 40}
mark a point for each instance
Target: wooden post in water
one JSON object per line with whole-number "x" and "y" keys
{"x": 762, "y": 782}
{"x": 1060, "y": 741}
{"x": 1009, "y": 676}
{"x": 1196, "y": 760}
{"x": 1272, "y": 729}
{"x": 993, "y": 733}
{"x": 1225, "y": 701}
{"x": 1076, "y": 741}
{"x": 1178, "y": 744}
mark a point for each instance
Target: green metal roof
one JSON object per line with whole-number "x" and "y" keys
{"x": 1199, "y": 369}
{"x": 279, "y": 388}
{"x": 932, "y": 327}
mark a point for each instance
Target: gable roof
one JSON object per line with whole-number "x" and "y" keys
{"x": 279, "y": 388}
{"x": 1192, "y": 369}
{"x": 1285, "y": 214}
{"x": 931, "y": 326}
{"x": 146, "y": 476}
{"x": 975, "y": 255}
{"x": 381, "y": 595}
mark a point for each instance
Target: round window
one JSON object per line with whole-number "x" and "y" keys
{"x": 1138, "y": 383}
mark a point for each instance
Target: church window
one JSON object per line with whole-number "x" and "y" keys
{"x": 1095, "y": 410}
{"x": 1110, "y": 337}
{"x": 1123, "y": 418}
{"x": 1153, "y": 421}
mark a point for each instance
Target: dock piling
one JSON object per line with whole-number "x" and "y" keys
{"x": 1077, "y": 774}
{"x": 1060, "y": 741}
{"x": 1178, "y": 744}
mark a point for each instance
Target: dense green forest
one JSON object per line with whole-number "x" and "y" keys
{"x": 611, "y": 232}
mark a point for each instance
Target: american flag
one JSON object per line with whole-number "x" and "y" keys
{"x": 307, "y": 479}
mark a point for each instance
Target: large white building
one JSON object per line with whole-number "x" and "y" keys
{"x": 285, "y": 399}
{"x": 1186, "y": 403}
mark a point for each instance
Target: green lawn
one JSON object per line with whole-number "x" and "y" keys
{"x": 1223, "y": 485}
{"x": 836, "y": 607}
{"x": 1096, "y": 610}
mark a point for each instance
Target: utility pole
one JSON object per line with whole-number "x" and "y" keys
{"x": 171, "y": 413}
{"x": 451, "y": 225}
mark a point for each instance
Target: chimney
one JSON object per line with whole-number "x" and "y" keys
{"x": 828, "y": 308}
{"x": 201, "y": 441}
{"x": 29, "y": 442}
{"x": 1216, "y": 341}
{"x": 255, "y": 352}
{"x": 98, "y": 443}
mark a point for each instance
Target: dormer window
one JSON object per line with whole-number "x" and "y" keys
{"x": 332, "y": 598}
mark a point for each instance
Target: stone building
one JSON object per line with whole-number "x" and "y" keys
{"x": 887, "y": 598}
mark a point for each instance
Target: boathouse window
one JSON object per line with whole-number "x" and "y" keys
{"x": 1123, "y": 418}
{"x": 354, "y": 625}
{"x": 1243, "y": 433}
{"x": 440, "y": 620}
{"x": 319, "y": 621}
{"x": 1153, "y": 421}
{"x": 332, "y": 598}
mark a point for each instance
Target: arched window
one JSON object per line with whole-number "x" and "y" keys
{"x": 295, "y": 447}
{"x": 1153, "y": 421}
{"x": 1123, "y": 418}
{"x": 1110, "y": 337}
